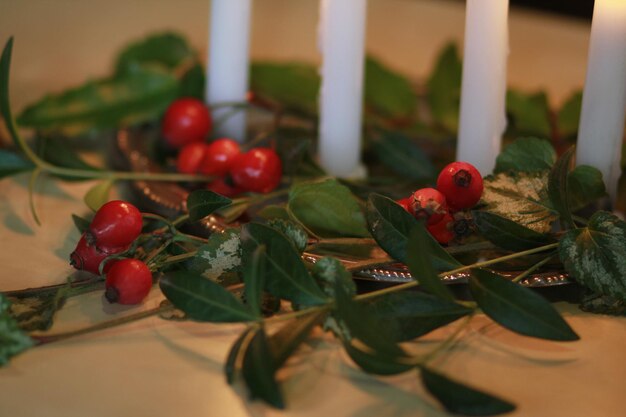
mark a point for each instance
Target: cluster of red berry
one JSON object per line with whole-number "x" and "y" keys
{"x": 114, "y": 227}
{"x": 186, "y": 125}
{"x": 459, "y": 187}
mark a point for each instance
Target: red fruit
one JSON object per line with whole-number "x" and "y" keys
{"x": 190, "y": 157}
{"x": 462, "y": 185}
{"x": 428, "y": 204}
{"x": 186, "y": 120}
{"x": 115, "y": 225}
{"x": 443, "y": 230}
{"x": 88, "y": 258}
{"x": 404, "y": 203}
{"x": 219, "y": 157}
{"x": 257, "y": 170}
{"x": 128, "y": 282}
{"x": 221, "y": 186}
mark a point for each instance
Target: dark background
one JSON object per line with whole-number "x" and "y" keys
{"x": 576, "y": 8}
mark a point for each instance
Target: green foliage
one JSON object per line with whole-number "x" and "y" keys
{"x": 57, "y": 151}
{"x": 386, "y": 92}
{"x": 419, "y": 259}
{"x": 35, "y": 311}
{"x": 167, "y": 49}
{"x": 506, "y": 233}
{"x": 596, "y": 255}
{"x": 444, "y": 88}
{"x": 259, "y": 370}
{"x": 294, "y": 86}
{"x": 221, "y": 254}
{"x": 329, "y": 272}
{"x": 460, "y": 399}
{"x": 529, "y": 113}
{"x": 81, "y": 223}
{"x": 584, "y": 186}
{"x": 522, "y": 198}
{"x": 390, "y": 226}
{"x": 254, "y": 276}
{"x": 293, "y": 231}
{"x": 132, "y": 97}
{"x": 12, "y": 339}
{"x": 374, "y": 362}
{"x": 569, "y": 116}
{"x": 518, "y": 308}
{"x": 530, "y": 155}
{"x": 326, "y": 208}
{"x": 403, "y": 156}
{"x": 558, "y": 187}
{"x": 290, "y": 278}
{"x": 11, "y": 164}
{"x": 201, "y": 203}
{"x": 98, "y": 195}
{"x": 411, "y": 314}
{"x": 203, "y": 300}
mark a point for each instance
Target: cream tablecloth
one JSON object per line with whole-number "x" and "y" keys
{"x": 157, "y": 368}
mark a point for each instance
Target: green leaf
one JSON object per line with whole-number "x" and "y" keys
{"x": 202, "y": 299}
{"x": 288, "y": 277}
{"x": 558, "y": 187}
{"x": 568, "y": 117}
{"x": 518, "y": 308}
{"x": 294, "y": 86}
{"x": 584, "y": 186}
{"x": 192, "y": 83}
{"x": 596, "y": 255}
{"x": 259, "y": 371}
{"x": 361, "y": 324}
{"x": 460, "y": 399}
{"x": 390, "y": 226}
{"x": 98, "y": 194}
{"x": 11, "y": 164}
{"x": 273, "y": 211}
{"x": 387, "y": 92}
{"x": 374, "y": 362}
{"x": 129, "y": 98}
{"x": 327, "y": 208}
{"x": 254, "y": 276}
{"x": 400, "y": 154}
{"x": 5, "y": 107}
{"x": 411, "y": 314}
{"x": 56, "y": 151}
{"x": 419, "y": 261}
{"x": 329, "y": 272}
{"x": 529, "y": 113}
{"x": 12, "y": 339}
{"x": 522, "y": 198}
{"x": 36, "y": 312}
{"x": 293, "y": 231}
{"x": 286, "y": 340}
{"x": 81, "y": 223}
{"x": 506, "y": 233}
{"x": 526, "y": 155}
{"x": 231, "y": 366}
{"x": 201, "y": 203}
{"x": 444, "y": 88}
{"x": 221, "y": 254}
{"x": 167, "y": 49}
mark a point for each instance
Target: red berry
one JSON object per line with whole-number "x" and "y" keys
{"x": 221, "y": 186}
{"x": 186, "y": 120}
{"x": 88, "y": 258}
{"x": 443, "y": 230}
{"x": 257, "y": 170}
{"x": 219, "y": 157}
{"x": 128, "y": 282}
{"x": 190, "y": 157}
{"x": 115, "y": 225}
{"x": 428, "y": 204}
{"x": 404, "y": 203}
{"x": 462, "y": 185}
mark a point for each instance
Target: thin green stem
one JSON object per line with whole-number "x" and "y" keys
{"x": 532, "y": 269}
{"x": 45, "y": 339}
{"x": 31, "y": 193}
{"x": 178, "y": 258}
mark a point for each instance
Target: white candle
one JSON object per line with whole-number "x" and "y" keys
{"x": 483, "y": 93}
{"x": 601, "y": 127}
{"x": 227, "y": 69}
{"x": 342, "y": 44}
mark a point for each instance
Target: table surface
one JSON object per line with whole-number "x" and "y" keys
{"x": 160, "y": 368}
